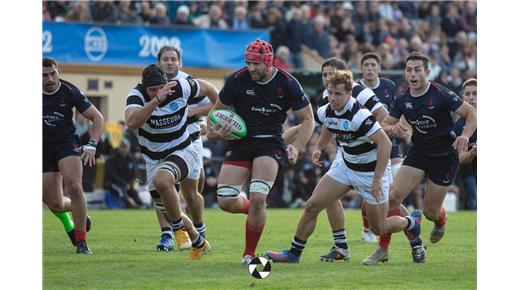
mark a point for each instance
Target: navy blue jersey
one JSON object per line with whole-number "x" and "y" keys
{"x": 263, "y": 106}
{"x": 385, "y": 91}
{"x": 57, "y": 111}
{"x": 430, "y": 117}
{"x": 457, "y": 129}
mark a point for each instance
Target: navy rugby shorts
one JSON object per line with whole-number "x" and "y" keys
{"x": 54, "y": 151}
{"x": 441, "y": 170}
{"x": 242, "y": 152}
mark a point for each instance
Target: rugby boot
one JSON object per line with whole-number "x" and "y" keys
{"x": 246, "y": 260}
{"x": 379, "y": 255}
{"x": 165, "y": 244}
{"x": 197, "y": 253}
{"x": 336, "y": 254}
{"x": 419, "y": 254}
{"x": 368, "y": 236}
{"x": 182, "y": 239}
{"x": 438, "y": 232}
{"x": 82, "y": 248}
{"x": 283, "y": 257}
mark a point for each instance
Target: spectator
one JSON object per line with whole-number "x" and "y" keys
{"x": 434, "y": 18}
{"x": 160, "y": 15}
{"x": 451, "y": 22}
{"x": 317, "y": 38}
{"x": 282, "y": 58}
{"x": 58, "y": 9}
{"x": 127, "y": 13}
{"x": 276, "y": 24}
{"x": 103, "y": 11}
{"x": 145, "y": 11}
{"x": 468, "y": 20}
{"x": 183, "y": 16}
{"x": 120, "y": 176}
{"x": 239, "y": 20}
{"x": 256, "y": 18}
{"x": 212, "y": 20}
{"x": 79, "y": 13}
{"x": 294, "y": 36}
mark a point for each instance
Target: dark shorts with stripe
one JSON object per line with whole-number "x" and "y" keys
{"x": 242, "y": 152}
{"x": 441, "y": 170}
{"x": 54, "y": 151}
{"x": 396, "y": 152}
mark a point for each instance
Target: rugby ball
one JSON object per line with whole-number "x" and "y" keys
{"x": 220, "y": 117}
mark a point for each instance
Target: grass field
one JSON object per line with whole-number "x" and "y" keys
{"x": 124, "y": 256}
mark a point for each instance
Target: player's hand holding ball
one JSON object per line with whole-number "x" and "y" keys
{"x": 226, "y": 124}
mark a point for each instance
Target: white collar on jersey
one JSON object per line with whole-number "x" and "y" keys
{"x": 347, "y": 107}
{"x": 180, "y": 75}
{"x": 52, "y": 93}
{"x": 374, "y": 87}
{"x": 270, "y": 79}
{"x": 421, "y": 93}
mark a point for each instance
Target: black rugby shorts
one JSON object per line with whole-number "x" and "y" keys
{"x": 441, "y": 170}
{"x": 54, "y": 151}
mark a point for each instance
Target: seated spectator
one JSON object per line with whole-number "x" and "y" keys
{"x": 127, "y": 13}
{"x": 103, "y": 11}
{"x": 282, "y": 58}
{"x": 145, "y": 11}
{"x": 317, "y": 38}
{"x": 211, "y": 20}
{"x": 120, "y": 176}
{"x": 79, "y": 13}
{"x": 183, "y": 16}
{"x": 160, "y": 15}
{"x": 239, "y": 20}
{"x": 58, "y": 9}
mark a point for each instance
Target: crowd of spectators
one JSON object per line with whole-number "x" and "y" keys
{"x": 443, "y": 30}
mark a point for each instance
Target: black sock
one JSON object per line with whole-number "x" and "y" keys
{"x": 177, "y": 225}
{"x": 297, "y": 246}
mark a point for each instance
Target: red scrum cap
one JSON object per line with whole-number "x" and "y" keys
{"x": 260, "y": 51}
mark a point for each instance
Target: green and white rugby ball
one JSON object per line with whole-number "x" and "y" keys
{"x": 220, "y": 117}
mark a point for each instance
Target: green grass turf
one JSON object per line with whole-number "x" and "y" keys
{"x": 123, "y": 243}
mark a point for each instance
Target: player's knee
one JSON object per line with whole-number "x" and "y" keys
{"x": 75, "y": 187}
{"x": 162, "y": 183}
{"x": 261, "y": 186}
{"x": 312, "y": 207}
{"x": 227, "y": 203}
{"x": 258, "y": 200}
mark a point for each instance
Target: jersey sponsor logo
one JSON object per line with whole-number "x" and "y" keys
{"x": 263, "y": 110}
{"x": 49, "y": 120}
{"x": 345, "y": 125}
{"x": 166, "y": 122}
{"x": 250, "y": 92}
{"x": 424, "y": 124}
{"x": 276, "y": 106}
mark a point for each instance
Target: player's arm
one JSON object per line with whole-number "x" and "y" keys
{"x": 384, "y": 147}
{"x": 208, "y": 89}
{"x": 135, "y": 117}
{"x": 389, "y": 123}
{"x": 306, "y": 118}
{"x": 89, "y": 150}
{"x": 323, "y": 140}
{"x": 214, "y": 132}
{"x": 469, "y": 114}
{"x": 380, "y": 114}
{"x": 289, "y": 135}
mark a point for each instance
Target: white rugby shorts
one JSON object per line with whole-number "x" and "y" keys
{"x": 361, "y": 181}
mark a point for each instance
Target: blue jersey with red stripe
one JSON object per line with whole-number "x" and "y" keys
{"x": 430, "y": 117}
{"x": 263, "y": 106}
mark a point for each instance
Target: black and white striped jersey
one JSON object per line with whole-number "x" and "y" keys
{"x": 165, "y": 131}
{"x": 194, "y": 121}
{"x": 365, "y": 96}
{"x": 352, "y": 128}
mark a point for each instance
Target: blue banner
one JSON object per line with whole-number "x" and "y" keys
{"x": 134, "y": 45}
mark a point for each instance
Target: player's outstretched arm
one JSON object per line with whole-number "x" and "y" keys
{"x": 289, "y": 135}
{"x": 380, "y": 114}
